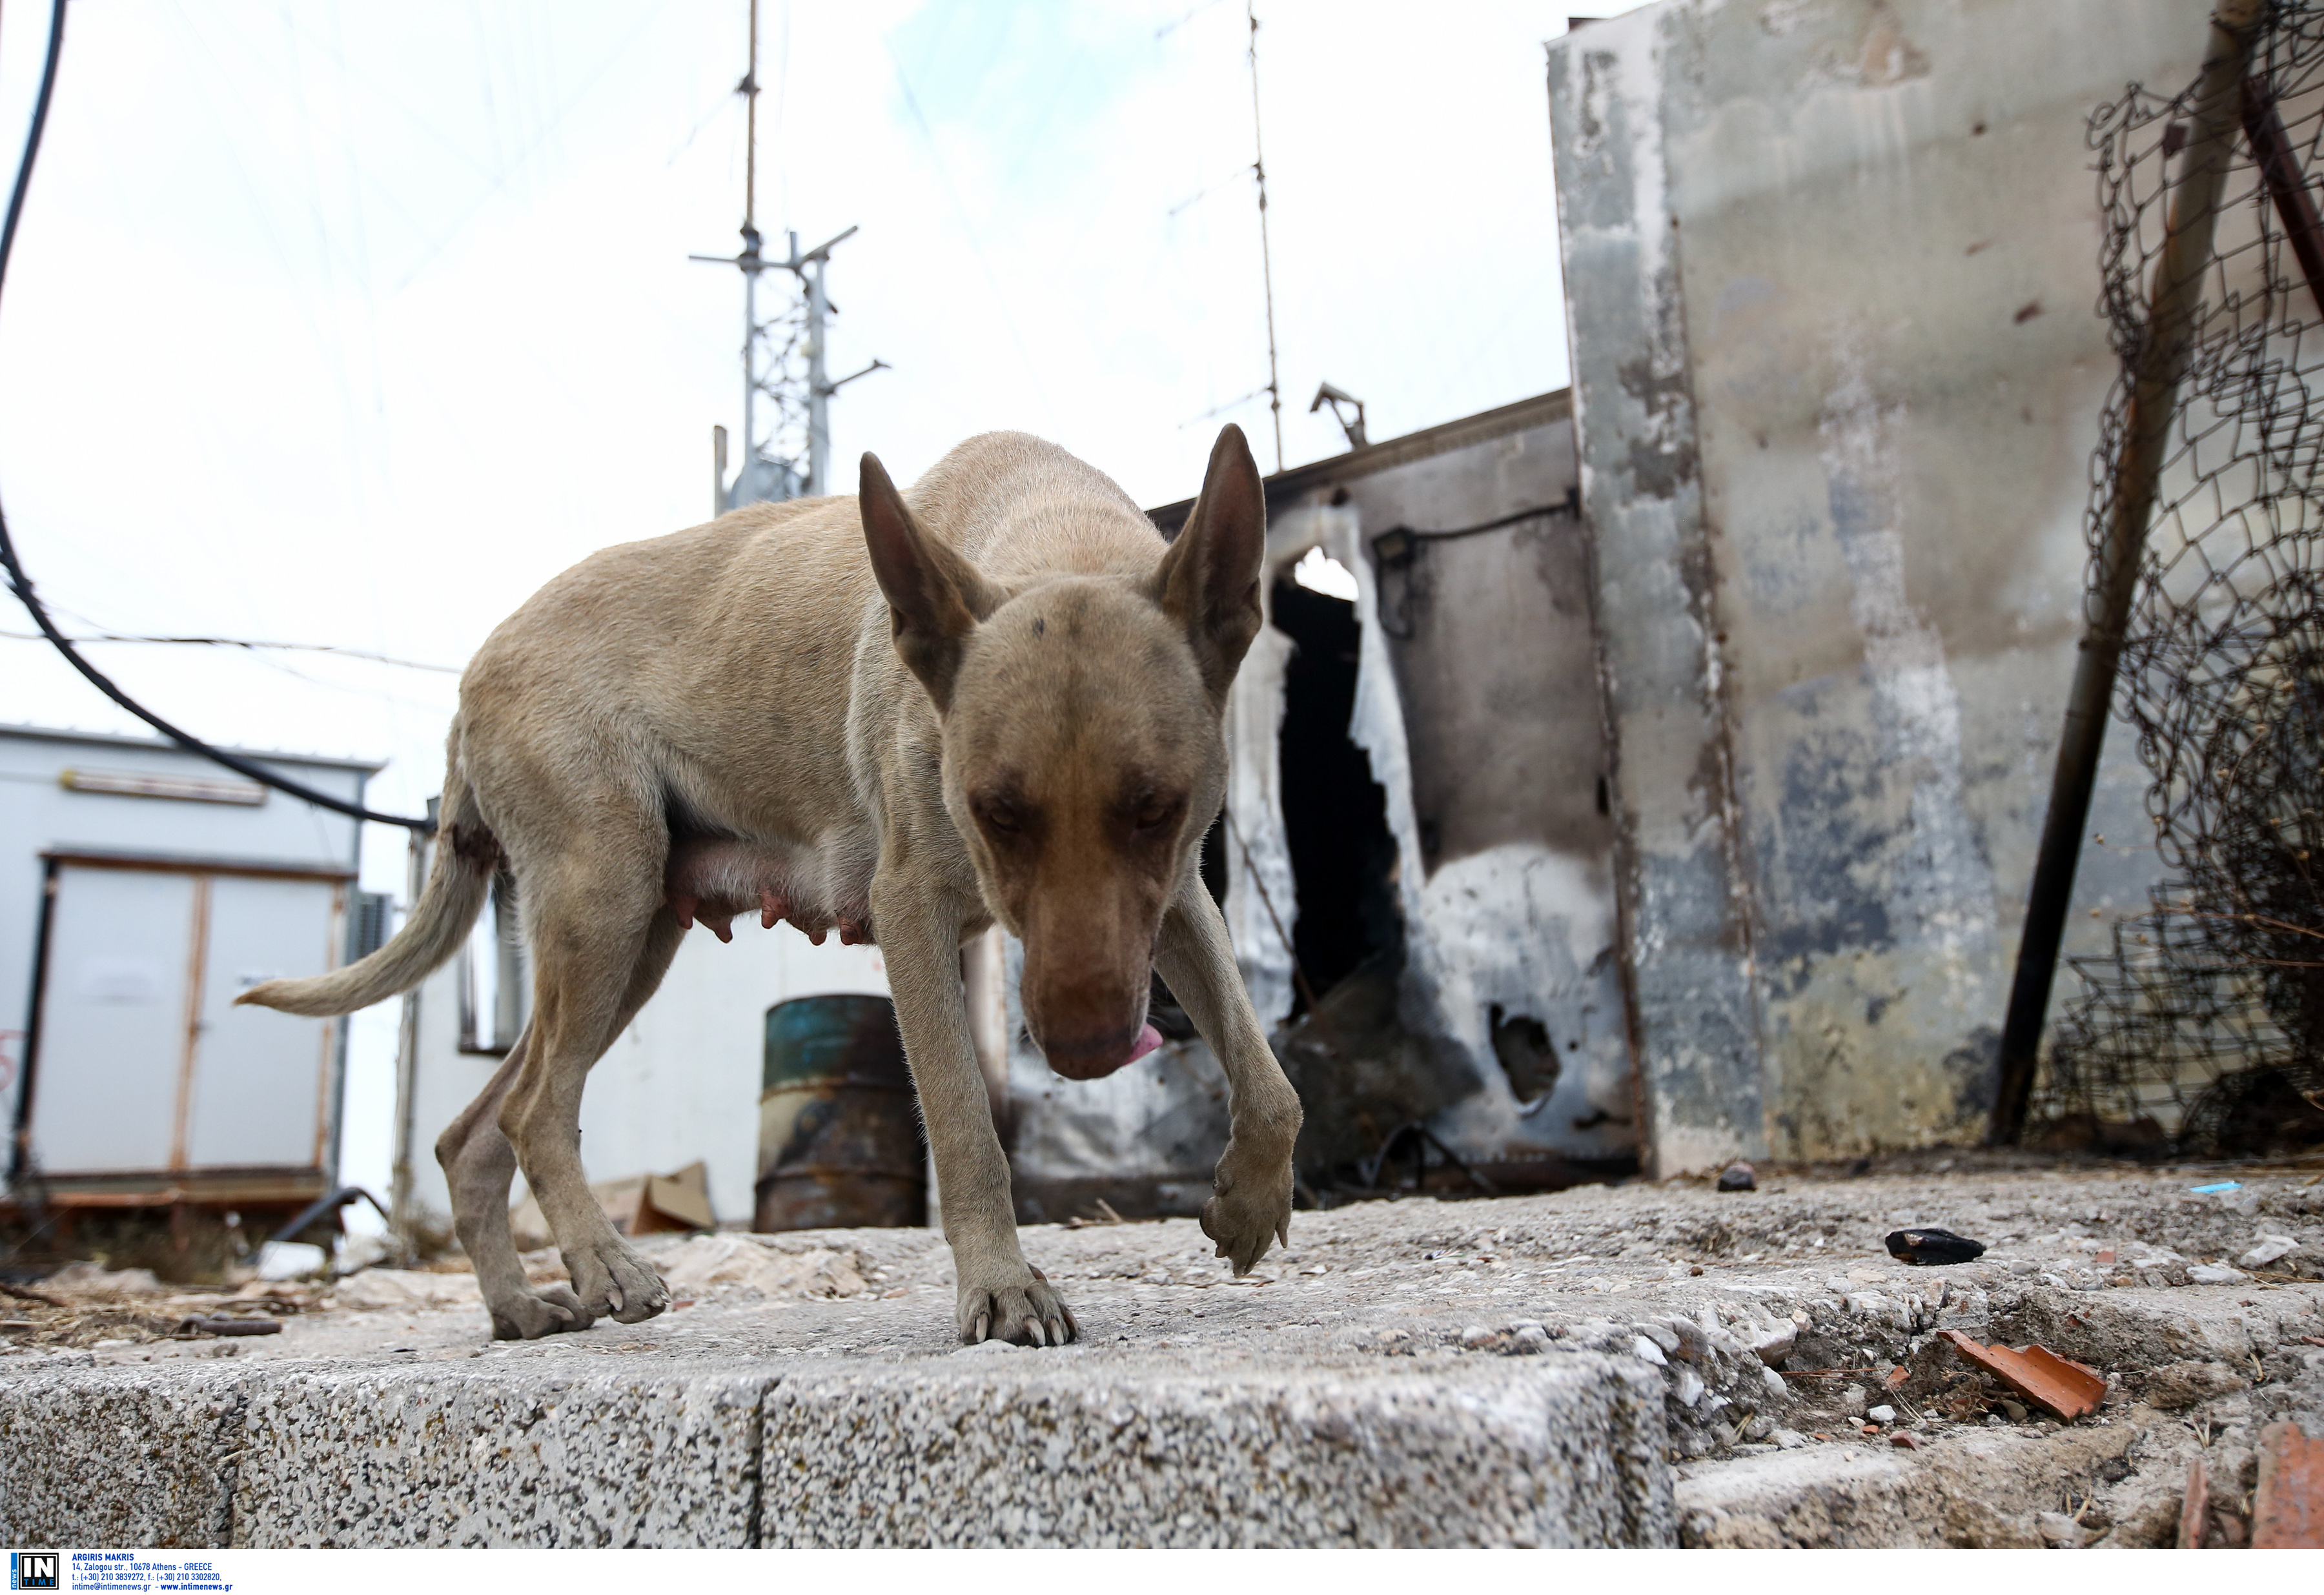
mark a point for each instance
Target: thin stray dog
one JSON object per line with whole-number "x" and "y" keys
{"x": 998, "y": 698}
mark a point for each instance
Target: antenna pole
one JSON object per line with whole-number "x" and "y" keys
{"x": 772, "y": 467}
{"x": 818, "y": 388}
{"x": 751, "y": 139}
{"x": 1266, "y": 260}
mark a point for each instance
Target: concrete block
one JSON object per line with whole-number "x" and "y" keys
{"x": 459, "y": 1456}
{"x": 116, "y": 1457}
{"x": 991, "y": 1448}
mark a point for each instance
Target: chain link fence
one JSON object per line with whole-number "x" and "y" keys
{"x": 2201, "y": 1032}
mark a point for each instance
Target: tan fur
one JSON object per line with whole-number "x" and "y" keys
{"x": 1009, "y": 710}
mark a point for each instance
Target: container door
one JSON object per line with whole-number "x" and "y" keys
{"x": 259, "y": 1083}
{"x": 116, "y": 1026}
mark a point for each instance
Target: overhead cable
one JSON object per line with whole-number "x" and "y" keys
{"x": 21, "y": 584}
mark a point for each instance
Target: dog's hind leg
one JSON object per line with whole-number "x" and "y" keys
{"x": 479, "y": 1162}
{"x": 601, "y": 938}
{"x": 1252, "y": 1204}
{"x": 1001, "y": 1295}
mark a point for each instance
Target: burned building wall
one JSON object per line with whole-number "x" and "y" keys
{"x": 1470, "y": 742}
{"x": 1837, "y": 380}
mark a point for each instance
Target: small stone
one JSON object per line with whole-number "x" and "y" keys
{"x": 1774, "y": 1382}
{"x": 1772, "y": 1344}
{"x": 1882, "y": 1415}
{"x": 1851, "y": 1401}
{"x": 1933, "y": 1248}
{"x": 1662, "y": 1334}
{"x": 1758, "y": 1427}
{"x": 1529, "y": 1340}
{"x": 986, "y": 1346}
{"x": 1642, "y": 1347}
{"x": 1738, "y": 1176}
{"x": 2014, "y": 1409}
{"x": 2271, "y": 1248}
{"x": 1474, "y": 1336}
{"x": 2217, "y": 1274}
{"x": 2058, "y": 1529}
{"x": 2177, "y": 1384}
{"x": 1904, "y": 1442}
{"x": 1687, "y": 1388}
{"x": 1692, "y": 1342}
{"x": 1788, "y": 1439}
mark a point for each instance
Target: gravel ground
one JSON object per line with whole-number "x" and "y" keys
{"x": 1795, "y": 1352}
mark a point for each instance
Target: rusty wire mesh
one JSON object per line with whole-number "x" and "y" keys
{"x": 2201, "y": 1031}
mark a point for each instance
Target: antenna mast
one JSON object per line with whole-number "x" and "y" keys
{"x": 1266, "y": 260}
{"x": 782, "y": 357}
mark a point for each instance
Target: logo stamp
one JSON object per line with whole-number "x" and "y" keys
{"x": 33, "y": 1570}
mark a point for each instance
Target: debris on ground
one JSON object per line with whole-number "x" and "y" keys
{"x": 2288, "y": 1503}
{"x": 1739, "y": 1176}
{"x": 760, "y": 1266}
{"x": 1934, "y": 1247}
{"x": 1776, "y": 1329}
{"x": 190, "y": 1327}
{"x": 2069, "y": 1389}
{"x": 2195, "y": 1507}
{"x": 639, "y": 1205}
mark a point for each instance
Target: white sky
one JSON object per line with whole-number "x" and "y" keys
{"x": 352, "y": 324}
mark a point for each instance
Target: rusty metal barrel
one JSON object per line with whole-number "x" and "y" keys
{"x": 839, "y": 1131}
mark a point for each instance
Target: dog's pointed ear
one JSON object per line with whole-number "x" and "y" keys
{"x": 935, "y": 597}
{"x": 1209, "y": 580}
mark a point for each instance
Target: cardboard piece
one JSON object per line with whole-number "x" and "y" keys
{"x": 641, "y": 1205}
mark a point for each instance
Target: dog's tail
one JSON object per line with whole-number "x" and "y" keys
{"x": 467, "y": 855}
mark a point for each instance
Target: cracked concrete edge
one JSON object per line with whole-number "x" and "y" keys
{"x": 1966, "y": 1490}
{"x": 1560, "y": 1449}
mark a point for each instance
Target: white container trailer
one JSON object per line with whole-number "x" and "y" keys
{"x": 142, "y": 890}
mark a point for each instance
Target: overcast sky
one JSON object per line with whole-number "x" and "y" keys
{"x": 352, "y": 324}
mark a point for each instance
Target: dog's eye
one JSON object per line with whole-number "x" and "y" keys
{"x": 1001, "y": 817}
{"x": 1153, "y": 814}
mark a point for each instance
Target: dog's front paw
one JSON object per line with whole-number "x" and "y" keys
{"x": 1026, "y": 1310}
{"x": 530, "y": 1315}
{"x": 1252, "y": 1208}
{"x": 613, "y": 1282}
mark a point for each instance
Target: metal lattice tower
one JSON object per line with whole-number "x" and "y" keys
{"x": 787, "y": 388}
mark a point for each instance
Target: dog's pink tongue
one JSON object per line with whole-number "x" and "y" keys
{"x": 1149, "y": 1039}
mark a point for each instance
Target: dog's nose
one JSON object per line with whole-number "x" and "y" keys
{"x": 1094, "y": 1058}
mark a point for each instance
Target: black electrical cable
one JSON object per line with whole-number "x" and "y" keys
{"x": 23, "y": 584}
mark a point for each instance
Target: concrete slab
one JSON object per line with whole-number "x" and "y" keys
{"x": 1091, "y": 1448}
{"x": 437, "y": 1456}
{"x": 120, "y": 1456}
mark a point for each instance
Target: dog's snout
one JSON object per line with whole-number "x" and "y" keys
{"x": 1087, "y": 1024}
{"x": 1095, "y": 1057}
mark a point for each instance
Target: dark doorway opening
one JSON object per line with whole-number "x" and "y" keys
{"x": 1343, "y": 858}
